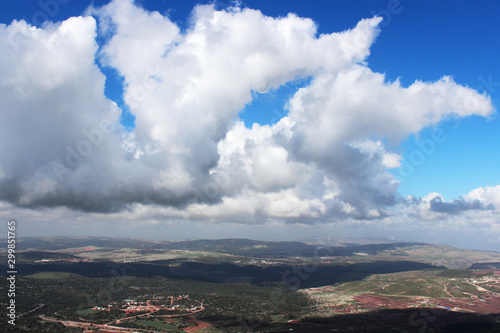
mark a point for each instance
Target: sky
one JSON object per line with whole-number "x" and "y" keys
{"x": 257, "y": 119}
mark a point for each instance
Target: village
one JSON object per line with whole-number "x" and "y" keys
{"x": 155, "y": 303}
{"x": 62, "y": 261}
{"x": 484, "y": 283}
{"x": 172, "y": 310}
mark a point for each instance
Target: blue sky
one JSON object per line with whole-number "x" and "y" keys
{"x": 418, "y": 40}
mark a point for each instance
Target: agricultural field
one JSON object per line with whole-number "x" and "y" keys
{"x": 455, "y": 290}
{"x": 50, "y": 275}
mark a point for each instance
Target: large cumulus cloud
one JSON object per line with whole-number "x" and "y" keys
{"x": 189, "y": 156}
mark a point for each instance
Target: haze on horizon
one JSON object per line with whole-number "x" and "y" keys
{"x": 119, "y": 120}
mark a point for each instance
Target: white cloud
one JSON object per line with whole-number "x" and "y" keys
{"x": 189, "y": 157}
{"x": 487, "y": 196}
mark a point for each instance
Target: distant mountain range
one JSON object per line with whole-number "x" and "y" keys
{"x": 440, "y": 255}
{"x": 235, "y": 246}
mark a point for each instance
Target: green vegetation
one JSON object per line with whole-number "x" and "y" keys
{"x": 226, "y": 304}
{"x": 425, "y": 283}
{"x": 456, "y": 273}
{"x": 159, "y": 325}
{"x": 86, "y": 311}
{"x": 50, "y": 275}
